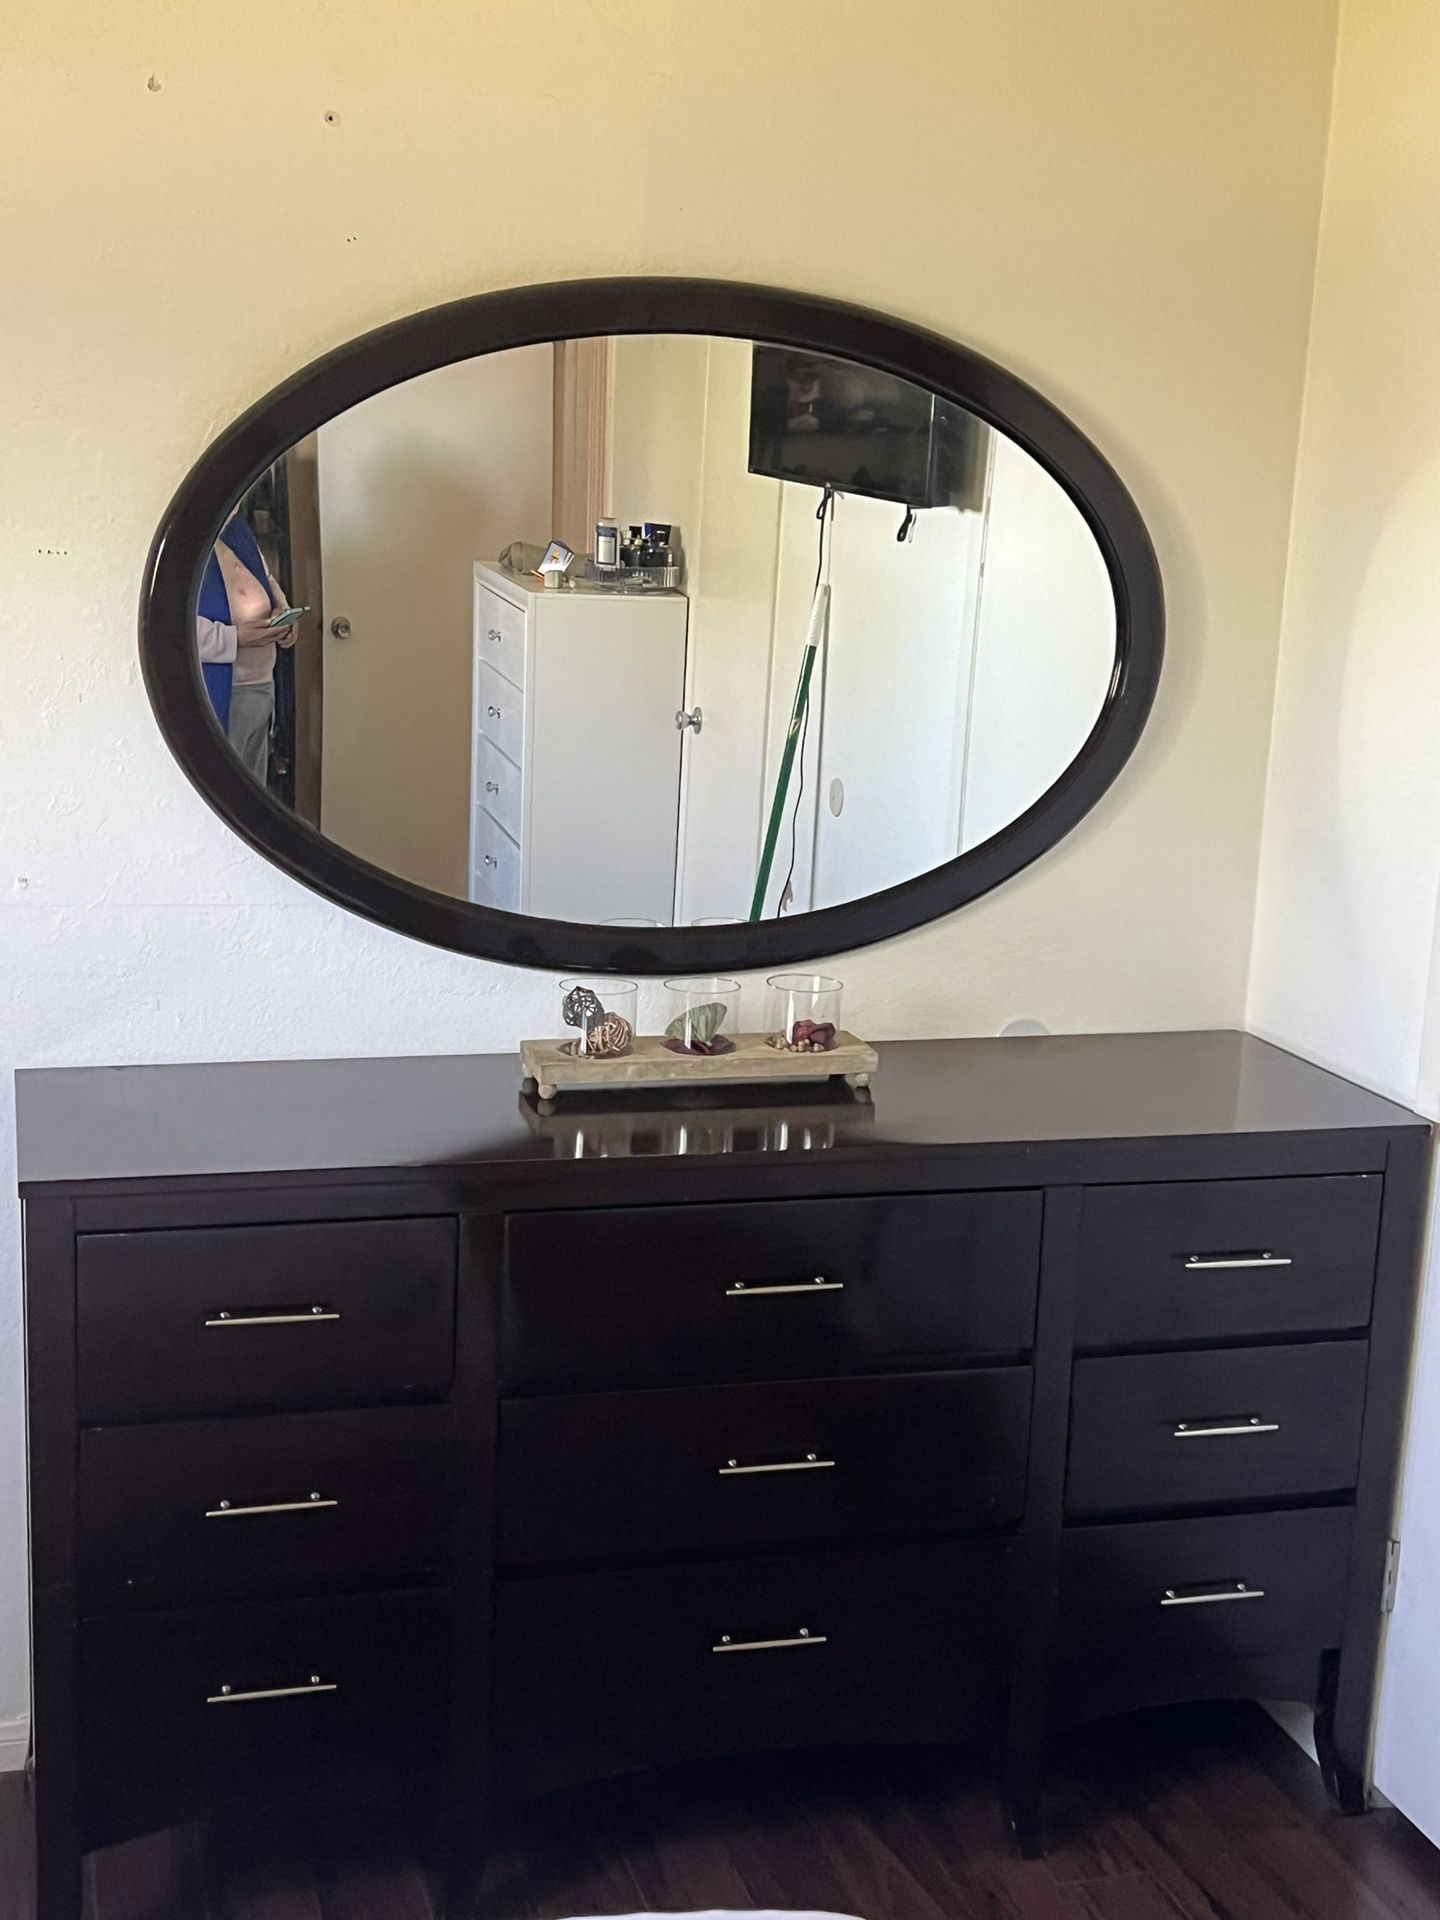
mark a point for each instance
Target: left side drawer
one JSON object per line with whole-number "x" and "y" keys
{"x": 229, "y": 1319}
{"x": 283, "y": 1502}
{"x": 181, "y": 1708}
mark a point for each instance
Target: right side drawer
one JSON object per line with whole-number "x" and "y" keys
{"x": 775, "y": 1289}
{"x": 1221, "y": 1259}
{"x": 262, "y": 1319}
{"x": 1210, "y": 1426}
{"x": 1177, "y": 1592}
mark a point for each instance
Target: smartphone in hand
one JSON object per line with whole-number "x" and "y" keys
{"x": 288, "y": 617}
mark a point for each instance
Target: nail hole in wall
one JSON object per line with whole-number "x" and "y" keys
{"x": 332, "y": 119}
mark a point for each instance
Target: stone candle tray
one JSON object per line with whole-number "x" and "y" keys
{"x": 549, "y": 1069}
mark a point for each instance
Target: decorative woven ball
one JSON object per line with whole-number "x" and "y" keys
{"x": 609, "y": 1038}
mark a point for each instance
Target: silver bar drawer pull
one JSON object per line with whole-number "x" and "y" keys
{"x": 807, "y": 1465}
{"x": 227, "y": 1696}
{"x": 1224, "y": 1429}
{"x": 1217, "y": 1596}
{"x": 297, "y": 1317}
{"x": 1234, "y": 1262}
{"x": 746, "y": 1289}
{"x": 314, "y": 1503}
{"x": 804, "y": 1638}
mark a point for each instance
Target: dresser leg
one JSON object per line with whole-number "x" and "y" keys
{"x": 58, "y": 1860}
{"x": 1344, "y": 1782}
{"x": 59, "y": 1883}
{"x": 462, "y": 1867}
{"x": 1022, "y": 1784}
{"x": 1025, "y": 1816}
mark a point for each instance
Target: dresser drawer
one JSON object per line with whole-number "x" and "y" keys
{"x": 498, "y": 875}
{"x": 1189, "y": 1592}
{"x": 715, "y": 1469}
{"x": 1223, "y": 1259}
{"x": 605, "y": 1672}
{"x": 671, "y": 1295}
{"x": 254, "y": 1505}
{"x": 501, "y": 714}
{"x": 1192, "y": 1429}
{"x": 500, "y": 788}
{"x": 500, "y": 636}
{"x": 179, "y": 1709}
{"x": 219, "y": 1319}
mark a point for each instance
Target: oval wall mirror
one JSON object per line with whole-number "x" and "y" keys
{"x": 652, "y": 625}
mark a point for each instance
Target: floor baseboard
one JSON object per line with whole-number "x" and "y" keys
{"x": 14, "y": 1743}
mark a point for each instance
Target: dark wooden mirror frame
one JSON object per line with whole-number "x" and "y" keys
{"x": 530, "y": 316}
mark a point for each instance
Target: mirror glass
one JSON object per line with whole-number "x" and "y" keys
{"x": 819, "y": 630}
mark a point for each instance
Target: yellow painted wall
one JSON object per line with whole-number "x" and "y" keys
{"x": 1117, "y": 198}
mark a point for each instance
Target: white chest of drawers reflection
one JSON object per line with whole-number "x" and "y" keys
{"x": 575, "y": 752}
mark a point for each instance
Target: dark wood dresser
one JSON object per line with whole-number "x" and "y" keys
{"x": 388, "y": 1437}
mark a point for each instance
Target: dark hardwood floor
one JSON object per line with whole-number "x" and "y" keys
{"x": 1192, "y": 1814}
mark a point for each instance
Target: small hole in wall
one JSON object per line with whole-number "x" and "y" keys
{"x": 155, "y": 82}
{"x": 332, "y": 119}
{"x": 350, "y": 239}
{"x": 54, "y": 553}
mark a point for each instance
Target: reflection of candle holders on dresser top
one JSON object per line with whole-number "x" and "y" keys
{"x": 590, "y": 1401}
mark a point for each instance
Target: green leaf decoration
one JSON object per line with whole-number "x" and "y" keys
{"x": 703, "y": 1022}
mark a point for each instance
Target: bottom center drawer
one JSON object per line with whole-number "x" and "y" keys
{"x": 604, "y": 1673}
{"x": 610, "y": 1476}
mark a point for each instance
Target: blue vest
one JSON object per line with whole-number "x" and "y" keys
{"x": 214, "y": 604}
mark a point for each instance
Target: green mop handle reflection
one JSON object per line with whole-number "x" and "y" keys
{"x": 787, "y": 758}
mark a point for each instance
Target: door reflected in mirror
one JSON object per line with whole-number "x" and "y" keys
{"x": 819, "y": 631}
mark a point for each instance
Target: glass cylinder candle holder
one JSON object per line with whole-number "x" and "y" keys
{"x": 802, "y": 1012}
{"x": 600, "y": 1014}
{"x": 705, "y": 1015}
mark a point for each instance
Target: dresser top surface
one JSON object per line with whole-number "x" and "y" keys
{"x": 447, "y": 1112}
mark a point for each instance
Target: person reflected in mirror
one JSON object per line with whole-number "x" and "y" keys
{"x": 239, "y": 598}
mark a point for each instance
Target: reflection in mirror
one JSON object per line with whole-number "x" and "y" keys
{"x": 819, "y": 630}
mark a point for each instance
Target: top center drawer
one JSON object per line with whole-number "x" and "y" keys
{"x": 634, "y": 1296}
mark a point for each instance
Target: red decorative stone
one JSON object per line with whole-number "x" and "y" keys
{"x": 816, "y": 1036}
